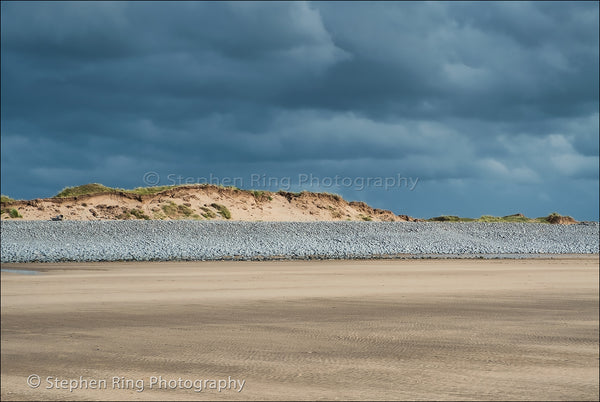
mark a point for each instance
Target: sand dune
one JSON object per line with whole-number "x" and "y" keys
{"x": 202, "y": 202}
{"x": 433, "y": 329}
{"x": 211, "y": 202}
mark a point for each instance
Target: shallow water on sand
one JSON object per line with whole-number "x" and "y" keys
{"x": 21, "y": 271}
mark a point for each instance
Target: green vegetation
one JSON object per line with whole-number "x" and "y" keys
{"x": 222, "y": 210}
{"x": 510, "y": 218}
{"x": 365, "y": 218}
{"x": 450, "y": 218}
{"x": 133, "y": 214}
{"x": 13, "y": 213}
{"x": 96, "y": 188}
{"x": 170, "y": 209}
{"x": 158, "y": 215}
{"x": 208, "y": 214}
{"x": 175, "y": 211}
{"x": 4, "y": 198}
{"x": 148, "y": 190}
{"x": 92, "y": 188}
{"x": 289, "y": 193}
{"x": 138, "y": 213}
{"x": 553, "y": 217}
{"x": 261, "y": 195}
{"x": 185, "y": 210}
{"x": 124, "y": 215}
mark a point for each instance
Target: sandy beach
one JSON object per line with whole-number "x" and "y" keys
{"x": 381, "y": 329}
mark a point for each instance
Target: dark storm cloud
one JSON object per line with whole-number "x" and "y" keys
{"x": 493, "y": 61}
{"x": 496, "y": 103}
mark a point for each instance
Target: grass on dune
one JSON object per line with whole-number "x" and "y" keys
{"x": 148, "y": 190}
{"x": 261, "y": 195}
{"x": 222, "y": 210}
{"x": 97, "y": 188}
{"x": 138, "y": 213}
{"x": 13, "y": 213}
{"x": 92, "y": 188}
{"x": 208, "y": 214}
{"x": 490, "y": 218}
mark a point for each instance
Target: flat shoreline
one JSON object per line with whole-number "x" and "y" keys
{"x": 350, "y": 329}
{"x": 83, "y": 265}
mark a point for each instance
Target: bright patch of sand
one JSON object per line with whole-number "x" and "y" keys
{"x": 404, "y": 329}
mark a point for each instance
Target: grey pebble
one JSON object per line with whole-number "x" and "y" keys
{"x": 46, "y": 241}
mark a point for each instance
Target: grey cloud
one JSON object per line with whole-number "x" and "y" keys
{"x": 463, "y": 67}
{"x": 474, "y": 98}
{"x": 63, "y": 30}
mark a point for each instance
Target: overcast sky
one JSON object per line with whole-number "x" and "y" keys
{"x": 471, "y": 108}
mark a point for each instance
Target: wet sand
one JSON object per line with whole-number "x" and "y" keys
{"x": 387, "y": 329}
